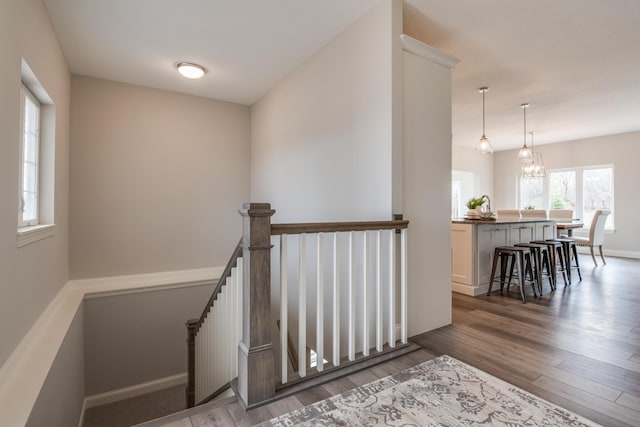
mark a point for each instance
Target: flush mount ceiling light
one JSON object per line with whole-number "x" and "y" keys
{"x": 191, "y": 71}
{"x": 484, "y": 145}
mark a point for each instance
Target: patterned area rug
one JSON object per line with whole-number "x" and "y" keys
{"x": 440, "y": 392}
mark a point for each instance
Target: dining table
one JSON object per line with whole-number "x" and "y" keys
{"x": 568, "y": 227}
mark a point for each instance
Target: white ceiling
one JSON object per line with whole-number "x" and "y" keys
{"x": 577, "y": 62}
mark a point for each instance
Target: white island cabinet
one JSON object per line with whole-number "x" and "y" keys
{"x": 473, "y": 243}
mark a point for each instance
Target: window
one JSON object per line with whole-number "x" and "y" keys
{"x": 583, "y": 189}
{"x": 29, "y": 160}
{"x": 597, "y": 193}
{"x": 36, "y": 170}
{"x": 531, "y": 193}
{"x": 562, "y": 190}
{"x": 456, "y": 202}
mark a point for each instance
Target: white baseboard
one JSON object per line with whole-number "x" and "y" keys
{"x": 469, "y": 290}
{"x": 610, "y": 252}
{"x": 134, "y": 390}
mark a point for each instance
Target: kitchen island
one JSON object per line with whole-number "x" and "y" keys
{"x": 474, "y": 240}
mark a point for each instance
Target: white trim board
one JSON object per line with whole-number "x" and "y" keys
{"x": 423, "y": 50}
{"x": 609, "y": 252}
{"x": 134, "y": 390}
{"x": 25, "y": 371}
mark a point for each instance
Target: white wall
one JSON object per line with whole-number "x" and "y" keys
{"x": 621, "y": 150}
{"x": 427, "y": 191}
{"x": 30, "y": 276}
{"x": 321, "y": 145}
{"x": 156, "y": 179}
{"x": 480, "y": 165}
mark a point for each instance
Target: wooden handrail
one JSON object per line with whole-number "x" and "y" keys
{"x": 332, "y": 227}
{"x": 221, "y": 282}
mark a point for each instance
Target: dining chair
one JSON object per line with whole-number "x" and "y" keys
{"x": 508, "y": 213}
{"x": 596, "y": 234}
{"x": 533, "y": 214}
{"x": 561, "y": 214}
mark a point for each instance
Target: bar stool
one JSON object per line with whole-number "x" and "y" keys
{"x": 556, "y": 253}
{"x": 520, "y": 258}
{"x": 566, "y": 261}
{"x": 540, "y": 256}
{"x": 570, "y": 249}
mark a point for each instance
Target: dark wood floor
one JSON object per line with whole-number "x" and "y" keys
{"x": 578, "y": 347}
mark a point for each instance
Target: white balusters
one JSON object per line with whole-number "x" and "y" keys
{"x": 378, "y": 291}
{"x": 336, "y": 303}
{"x": 352, "y": 302}
{"x": 403, "y": 285}
{"x": 302, "y": 308}
{"x": 392, "y": 288}
{"x": 319, "y": 306}
{"x": 283, "y": 309}
{"x": 365, "y": 302}
{"x": 216, "y": 342}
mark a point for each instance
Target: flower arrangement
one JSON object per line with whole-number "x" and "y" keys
{"x": 475, "y": 202}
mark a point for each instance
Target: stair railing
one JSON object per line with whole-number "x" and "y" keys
{"x": 368, "y": 281}
{"x": 344, "y": 279}
{"x": 212, "y": 340}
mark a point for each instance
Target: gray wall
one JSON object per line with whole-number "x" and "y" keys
{"x": 156, "y": 179}
{"x": 138, "y": 337}
{"x": 621, "y": 150}
{"x": 30, "y": 276}
{"x": 60, "y": 400}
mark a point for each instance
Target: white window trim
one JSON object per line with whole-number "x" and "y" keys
{"x": 28, "y": 235}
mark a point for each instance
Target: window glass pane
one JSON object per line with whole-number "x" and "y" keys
{"x": 30, "y": 147}
{"x": 30, "y": 206}
{"x": 531, "y": 193}
{"x": 597, "y": 193}
{"x": 29, "y": 177}
{"x": 562, "y": 190}
{"x": 455, "y": 199}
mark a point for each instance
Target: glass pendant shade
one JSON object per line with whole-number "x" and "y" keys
{"x": 525, "y": 153}
{"x": 533, "y": 167}
{"x": 483, "y": 146}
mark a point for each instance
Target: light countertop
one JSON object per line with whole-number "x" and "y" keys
{"x": 496, "y": 221}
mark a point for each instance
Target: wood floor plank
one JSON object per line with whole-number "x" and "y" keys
{"x": 623, "y": 413}
{"x": 313, "y": 395}
{"x": 217, "y": 417}
{"x": 629, "y": 400}
{"x": 283, "y": 406}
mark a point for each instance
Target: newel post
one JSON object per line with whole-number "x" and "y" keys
{"x": 191, "y": 324}
{"x": 256, "y": 359}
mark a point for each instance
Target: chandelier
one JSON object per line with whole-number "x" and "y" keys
{"x": 532, "y": 163}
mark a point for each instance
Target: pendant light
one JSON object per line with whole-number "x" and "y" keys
{"x": 538, "y": 163}
{"x": 483, "y": 146}
{"x": 525, "y": 153}
{"x": 532, "y": 167}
